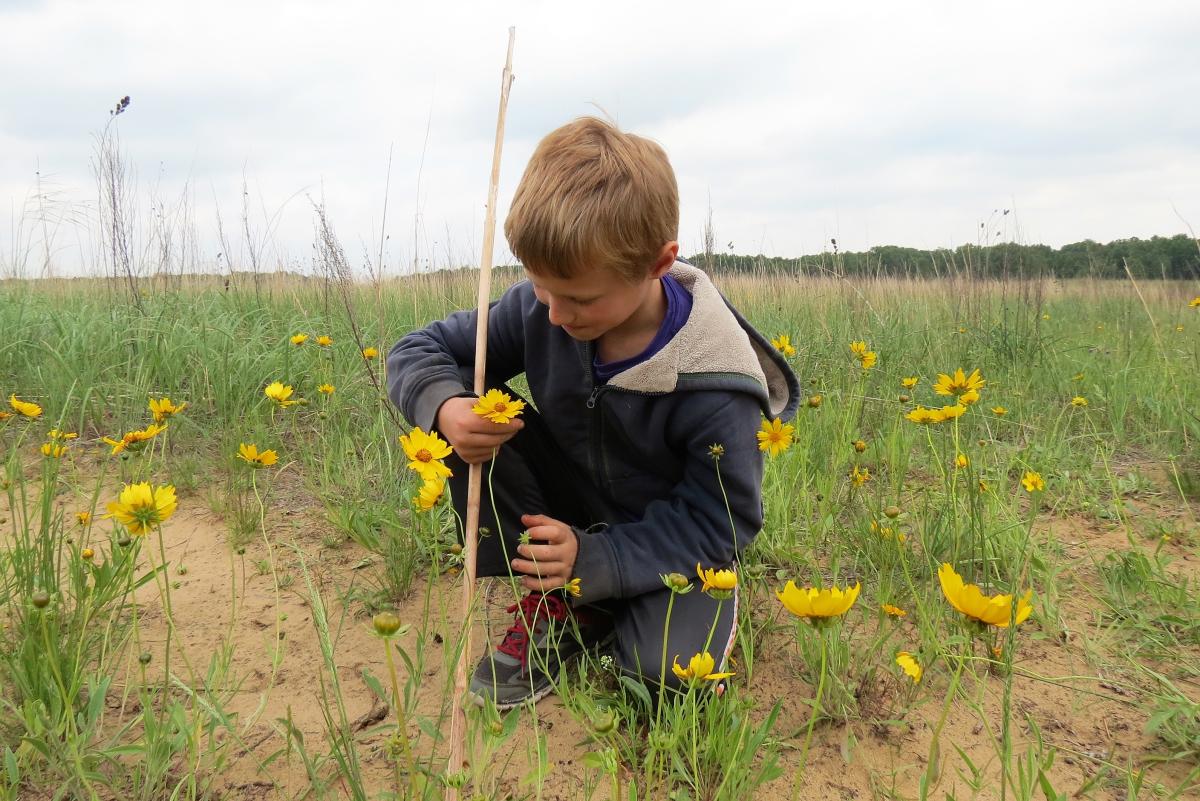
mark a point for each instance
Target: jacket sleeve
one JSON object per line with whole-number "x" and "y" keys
{"x": 428, "y": 366}
{"x": 694, "y": 524}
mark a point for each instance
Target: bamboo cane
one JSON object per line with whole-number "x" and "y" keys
{"x": 458, "y": 719}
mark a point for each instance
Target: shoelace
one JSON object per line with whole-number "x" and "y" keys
{"x": 533, "y": 606}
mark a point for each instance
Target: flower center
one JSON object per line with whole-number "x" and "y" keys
{"x": 500, "y": 406}
{"x": 424, "y": 455}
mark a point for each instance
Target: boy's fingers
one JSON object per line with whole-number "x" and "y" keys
{"x": 546, "y": 570}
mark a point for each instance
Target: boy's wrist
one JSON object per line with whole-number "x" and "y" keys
{"x": 594, "y": 566}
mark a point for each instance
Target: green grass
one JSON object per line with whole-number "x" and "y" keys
{"x": 81, "y": 713}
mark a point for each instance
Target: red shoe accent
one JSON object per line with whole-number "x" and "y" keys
{"x": 533, "y": 606}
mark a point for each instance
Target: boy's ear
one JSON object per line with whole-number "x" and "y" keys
{"x": 666, "y": 258}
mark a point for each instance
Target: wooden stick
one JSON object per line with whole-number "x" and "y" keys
{"x": 458, "y": 719}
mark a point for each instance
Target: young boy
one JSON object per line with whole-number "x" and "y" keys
{"x": 638, "y": 368}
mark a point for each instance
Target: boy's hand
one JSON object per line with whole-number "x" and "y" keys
{"x": 474, "y": 439}
{"x": 549, "y": 563}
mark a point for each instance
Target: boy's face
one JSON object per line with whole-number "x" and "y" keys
{"x": 598, "y": 302}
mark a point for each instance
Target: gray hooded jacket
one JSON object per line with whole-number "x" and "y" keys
{"x": 643, "y": 438}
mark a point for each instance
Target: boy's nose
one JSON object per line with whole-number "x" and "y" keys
{"x": 557, "y": 317}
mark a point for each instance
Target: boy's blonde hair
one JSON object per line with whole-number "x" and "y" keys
{"x": 593, "y": 197}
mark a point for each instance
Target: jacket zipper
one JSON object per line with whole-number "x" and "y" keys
{"x": 596, "y": 460}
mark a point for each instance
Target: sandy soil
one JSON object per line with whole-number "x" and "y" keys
{"x": 1085, "y": 705}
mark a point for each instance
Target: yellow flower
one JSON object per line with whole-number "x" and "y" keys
{"x": 1033, "y": 482}
{"x": 700, "y": 668}
{"x": 324, "y": 341}
{"x": 498, "y": 407}
{"x": 999, "y": 411}
{"x": 983, "y": 487}
{"x": 774, "y": 437}
{"x": 958, "y": 384}
{"x": 950, "y": 412}
{"x": 994, "y": 610}
{"x": 424, "y": 451}
{"x": 1195, "y": 303}
{"x": 814, "y": 401}
{"x": 280, "y": 393}
{"x": 909, "y": 665}
{"x": 574, "y": 587}
{"x": 53, "y": 450}
{"x": 1045, "y": 316}
{"x": 83, "y": 518}
{"x": 859, "y": 445}
{"x": 5, "y": 415}
{"x": 969, "y": 397}
{"x": 859, "y": 475}
{"x": 811, "y": 602}
{"x": 24, "y": 408}
{"x": 714, "y": 579}
{"x": 1179, "y": 329}
{"x": 921, "y": 416}
{"x": 299, "y": 339}
{"x": 134, "y": 440}
{"x": 894, "y": 611}
{"x": 1079, "y": 400}
{"x": 139, "y": 506}
{"x": 783, "y": 344}
{"x": 430, "y": 493}
{"x": 865, "y": 357}
{"x": 961, "y": 461}
{"x": 1077, "y": 377}
{"x": 54, "y": 433}
{"x": 369, "y": 353}
{"x": 909, "y": 383}
{"x": 326, "y": 389}
{"x": 251, "y": 454}
{"x": 162, "y": 408}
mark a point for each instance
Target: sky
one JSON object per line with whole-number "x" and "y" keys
{"x": 913, "y": 124}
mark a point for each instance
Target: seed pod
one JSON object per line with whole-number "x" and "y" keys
{"x": 892, "y": 511}
{"x": 144, "y": 657}
{"x": 905, "y": 398}
{"x": 40, "y": 599}
{"x": 124, "y": 541}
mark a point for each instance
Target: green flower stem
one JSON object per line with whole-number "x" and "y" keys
{"x": 401, "y": 720}
{"x": 662, "y": 672}
{"x": 812, "y": 721}
{"x": 935, "y": 742}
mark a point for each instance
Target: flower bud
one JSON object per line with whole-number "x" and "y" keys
{"x": 604, "y": 722}
{"x": 40, "y": 599}
{"x": 386, "y": 624}
{"x": 892, "y": 511}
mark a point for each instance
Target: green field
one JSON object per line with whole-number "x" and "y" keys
{"x": 229, "y": 652}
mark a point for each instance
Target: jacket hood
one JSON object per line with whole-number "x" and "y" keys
{"x": 716, "y": 349}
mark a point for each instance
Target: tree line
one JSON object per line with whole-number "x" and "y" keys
{"x": 1174, "y": 257}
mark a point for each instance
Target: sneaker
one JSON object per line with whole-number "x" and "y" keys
{"x": 545, "y": 633}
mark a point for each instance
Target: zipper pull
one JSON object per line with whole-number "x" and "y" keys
{"x": 591, "y": 401}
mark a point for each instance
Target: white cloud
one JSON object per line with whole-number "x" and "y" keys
{"x": 878, "y": 124}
